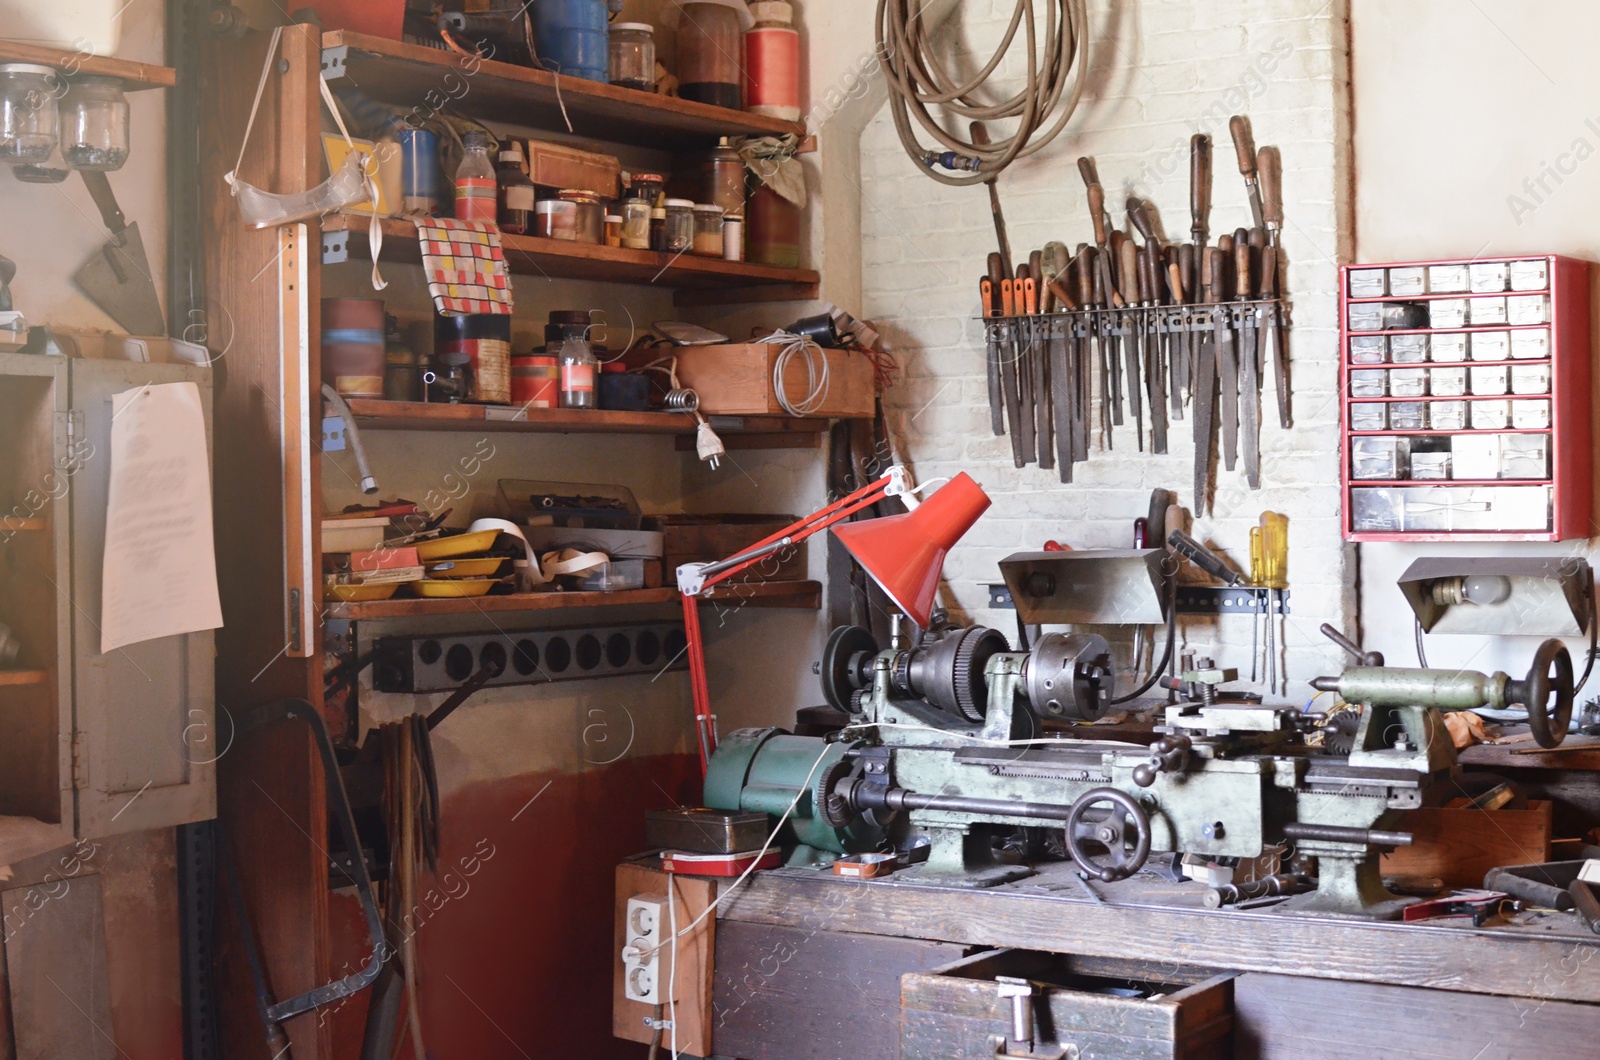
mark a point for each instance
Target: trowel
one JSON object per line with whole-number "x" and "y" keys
{"x": 117, "y": 278}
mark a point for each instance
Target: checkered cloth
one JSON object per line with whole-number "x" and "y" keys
{"x": 465, "y": 268}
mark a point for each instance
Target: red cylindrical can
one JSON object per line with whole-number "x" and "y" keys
{"x": 772, "y": 62}
{"x": 535, "y": 381}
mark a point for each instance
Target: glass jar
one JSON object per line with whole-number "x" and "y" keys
{"x": 555, "y": 219}
{"x": 635, "y": 223}
{"x": 658, "y": 228}
{"x": 709, "y": 47}
{"x": 708, "y": 230}
{"x": 29, "y": 119}
{"x": 94, "y": 124}
{"x": 647, "y": 186}
{"x": 613, "y": 230}
{"x": 724, "y": 181}
{"x": 679, "y": 235}
{"x": 579, "y": 366}
{"x": 633, "y": 55}
{"x": 517, "y": 194}
{"x": 589, "y": 221}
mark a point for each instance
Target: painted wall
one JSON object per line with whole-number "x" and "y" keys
{"x": 50, "y": 230}
{"x": 1482, "y": 143}
{"x": 1159, "y": 71}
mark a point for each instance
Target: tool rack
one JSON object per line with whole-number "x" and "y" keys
{"x": 1473, "y": 507}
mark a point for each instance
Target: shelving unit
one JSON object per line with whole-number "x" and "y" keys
{"x": 798, "y": 594}
{"x": 134, "y": 76}
{"x": 1473, "y": 507}
{"x": 24, "y": 677}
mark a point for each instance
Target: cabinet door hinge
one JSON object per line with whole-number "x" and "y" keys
{"x": 69, "y": 440}
{"x": 80, "y": 762}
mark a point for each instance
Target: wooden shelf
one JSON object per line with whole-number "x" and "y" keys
{"x": 23, "y": 677}
{"x": 803, "y": 594}
{"x": 135, "y": 76}
{"x": 409, "y": 75}
{"x": 344, "y": 237}
{"x": 764, "y": 432}
{"x": 9, "y": 525}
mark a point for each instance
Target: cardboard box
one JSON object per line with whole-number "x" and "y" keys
{"x": 736, "y": 380}
{"x": 553, "y": 165}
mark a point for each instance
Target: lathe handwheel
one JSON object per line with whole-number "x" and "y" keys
{"x": 1549, "y": 727}
{"x": 1110, "y": 831}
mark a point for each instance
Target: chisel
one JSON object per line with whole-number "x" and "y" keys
{"x": 1024, "y": 366}
{"x": 1178, "y": 365}
{"x": 1227, "y": 356}
{"x": 1101, "y": 344}
{"x": 1270, "y": 167}
{"x": 1113, "y": 326}
{"x": 989, "y": 292}
{"x": 1041, "y": 371}
{"x": 1154, "y": 373}
{"x": 1205, "y": 392}
{"x": 1060, "y": 389}
{"x": 1244, "y": 145}
{"x": 1128, "y": 281}
{"x": 1081, "y": 377}
{"x": 1249, "y": 361}
{"x": 1199, "y": 189}
{"x": 1189, "y": 271}
{"x": 1008, "y": 374}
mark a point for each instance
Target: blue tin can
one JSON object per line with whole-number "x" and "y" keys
{"x": 420, "y": 176}
{"x": 572, "y": 37}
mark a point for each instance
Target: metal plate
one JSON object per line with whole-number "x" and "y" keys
{"x": 442, "y": 663}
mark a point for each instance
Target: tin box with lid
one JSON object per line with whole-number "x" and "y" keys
{"x": 485, "y": 339}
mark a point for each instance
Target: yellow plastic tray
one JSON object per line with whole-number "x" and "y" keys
{"x": 354, "y": 592}
{"x": 459, "y": 545}
{"x": 474, "y": 567}
{"x": 452, "y": 587}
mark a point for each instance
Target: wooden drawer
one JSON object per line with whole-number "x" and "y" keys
{"x": 1104, "y": 1010}
{"x": 735, "y": 379}
{"x": 1460, "y": 844}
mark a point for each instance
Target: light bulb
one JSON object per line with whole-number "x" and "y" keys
{"x": 1486, "y": 589}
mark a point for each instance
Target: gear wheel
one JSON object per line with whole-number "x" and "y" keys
{"x": 1339, "y": 733}
{"x": 833, "y": 810}
{"x": 977, "y": 646}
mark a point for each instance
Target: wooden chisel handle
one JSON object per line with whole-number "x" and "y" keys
{"x": 1175, "y": 281}
{"x": 1097, "y": 199}
{"x": 1270, "y": 164}
{"x": 1243, "y": 288}
{"x": 1147, "y": 275}
{"x": 1139, "y": 214}
{"x": 1084, "y": 275}
{"x": 997, "y": 267}
{"x": 1036, "y": 267}
{"x": 1269, "y": 272}
{"x": 1189, "y": 266}
{"x": 1244, "y": 145}
{"x": 1200, "y": 185}
{"x": 1128, "y": 271}
{"x": 1063, "y": 296}
{"x": 1210, "y": 273}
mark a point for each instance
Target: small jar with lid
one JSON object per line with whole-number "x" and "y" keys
{"x": 633, "y": 55}
{"x": 555, "y": 219}
{"x": 635, "y": 223}
{"x": 647, "y": 186}
{"x": 29, "y": 118}
{"x": 658, "y": 228}
{"x": 614, "y": 228}
{"x": 589, "y": 223}
{"x": 94, "y": 124}
{"x": 708, "y": 230}
{"x": 680, "y": 225}
{"x": 579, "y": 367}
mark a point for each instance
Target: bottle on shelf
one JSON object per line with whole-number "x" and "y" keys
{"x": 476, "y": 199}
{"x": 772, "y": 62}
{"x": 579, "y": 367}
{"x": 517, "y": 194}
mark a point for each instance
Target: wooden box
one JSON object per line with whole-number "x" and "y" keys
{"x": 951, "y": 1012}
{"x": 1460, "y": 844}
{"x": 736, "y": 380}
{"x": 708, "y": 538}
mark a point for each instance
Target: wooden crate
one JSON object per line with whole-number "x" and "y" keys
{"x": 1459, "y": 844}
{"x": 691, "y": 897}
{"x": 950, "y": 1012}
{"x": 708, "y": 538}
{"x": 736, "y": 380}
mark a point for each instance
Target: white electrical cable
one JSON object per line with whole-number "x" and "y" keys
{"x": 816, "y": 378}
{"x": 672, "y": 976}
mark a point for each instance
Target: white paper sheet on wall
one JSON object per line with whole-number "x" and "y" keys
{"x": 160, "y": 573}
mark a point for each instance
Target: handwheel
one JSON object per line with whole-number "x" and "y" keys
{"x": 1549, "y": 726}
{"x": 1110, "y": 830}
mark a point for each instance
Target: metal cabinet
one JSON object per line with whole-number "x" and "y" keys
{"x": 91, "y": 744}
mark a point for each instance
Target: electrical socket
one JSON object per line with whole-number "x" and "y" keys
{"x": 645, "y": 930}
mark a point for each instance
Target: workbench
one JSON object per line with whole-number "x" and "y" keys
{"x": 808, "y": 965}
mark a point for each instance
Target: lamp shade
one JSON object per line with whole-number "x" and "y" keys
{"x": 905, "y": 554}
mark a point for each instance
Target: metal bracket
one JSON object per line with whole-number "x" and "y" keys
{"x": 68, "y": 430}
{"x": 1192, "y": 599}
{"x": 335, "y": 247}
{"x": 334, "y": 63}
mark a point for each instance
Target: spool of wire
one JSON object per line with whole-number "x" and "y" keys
{"x": 681, "y": 399}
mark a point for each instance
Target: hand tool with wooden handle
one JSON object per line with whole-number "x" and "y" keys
{"x": 1082, "y": 376}
{"x": 1199, "y": 188}
{"x": 1189, "y": 271}
{"x": 1270, "y": 167}
{"x": 1102, "y": 344}
{"x": 980, "y": 137}
{"x": 1039, "y": 368}
{"x": 1008, "y": 370}
{"x": 989, "y": 294}
{"x": 1177, "y": 351}
{"x": 1204, "y": 558}
{"x": 1026, "y": 336}
{"x": 1205, "y": 392}
{"x": 1128, "y": 280}
{"x": 1061, "y": 343}
{"x": 1249, "y": 361}
{"x": 1154, "y": 372}
{"x": 1113, "y": 328}
{"x": 1227, "y": 355}
{"x": 1244, "y": 145}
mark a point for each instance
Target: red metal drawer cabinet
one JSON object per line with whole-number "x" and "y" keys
{"x": 1470, "y": 419}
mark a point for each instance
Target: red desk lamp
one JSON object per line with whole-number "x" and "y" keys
{"x": 904, "y": 554}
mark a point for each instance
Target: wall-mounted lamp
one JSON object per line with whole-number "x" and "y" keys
{"x": 1529, "y": 597}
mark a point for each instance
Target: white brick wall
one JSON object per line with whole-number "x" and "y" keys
{"x": 1163, "y": 69}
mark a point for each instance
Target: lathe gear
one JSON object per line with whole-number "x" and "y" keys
{"x": 976, "y": 646}
{"x": 846, "y": 666}
{"x": 833, "y": 809}
{"x": 1339, "y": 733}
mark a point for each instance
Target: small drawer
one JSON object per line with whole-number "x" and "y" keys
{"x": 1475, "y": 456}
{"x": 1369, "y": 415}
{"x": 1524, "y": 456}
{"x": 1528, "y": 309}
{"x": 1089, "y": 1007}
{"x": 1379, "y": 458}
{"x": 1447, "y": 347}
{"x": 1530, "y": 414}
{"x": 1447, "y": 313}
{"x": 1369, "y": 383}
{"x": 1447, "y": 382}
{"x": 1489, "y": 277}
{"x": 1431, "y": 465}
{"x": 1408, "y": 415}
{"x": 1490, "y": 415}
{"x": 1489, "y": 345}
{"x": 1408, "y": 281}
{"x": 1447, "y": 415}
{"x": 1530, "y": 379}
{"x": 1530, "y": 344}
{"x": 1448, "y": 278}
{"x": 1369, "y": 349}
{"x": 1369, "y": 283}
{"x": 1481, "y": 311}
{"x": 1489, "y": 379}
{"x": 1530, "y": 275}
{"x": 1408, "y": 382}
{"x": 1408, "y": 349}
{"x": 1366, "y": 316}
